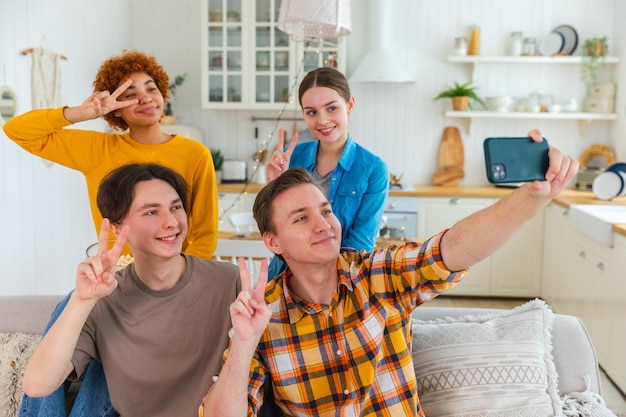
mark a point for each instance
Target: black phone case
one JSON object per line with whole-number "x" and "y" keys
{"x": 513, "y": 160}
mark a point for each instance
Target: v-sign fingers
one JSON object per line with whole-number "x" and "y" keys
{"x": 281, "y": 140}
{"x": 292, "y": 144}
{"x": 103, "y": 238}
{"x": 244, "y": 274}
{"x": 261, "y": 283}
{"x": 116, "y": 250}
{"x": 123, "y": 87}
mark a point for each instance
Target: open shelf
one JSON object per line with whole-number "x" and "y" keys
{"x": 527, "y": 59}
{"x": 582, "y": 117}
{"x": 531, "y": 115}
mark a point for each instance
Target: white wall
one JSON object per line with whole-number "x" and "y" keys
{"x": 44, "y": 210}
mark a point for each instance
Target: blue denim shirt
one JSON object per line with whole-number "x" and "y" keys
{"x": 358, "y": 190}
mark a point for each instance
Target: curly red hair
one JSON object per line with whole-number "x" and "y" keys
{"x": 116, "y": 70}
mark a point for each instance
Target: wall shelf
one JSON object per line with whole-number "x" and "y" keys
{"x": 583, "y": 118}
{"x": 526, "y": 59}
{"x": 522, "y": 60}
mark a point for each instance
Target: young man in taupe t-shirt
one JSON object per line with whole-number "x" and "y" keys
{"x": 153, "y": 325}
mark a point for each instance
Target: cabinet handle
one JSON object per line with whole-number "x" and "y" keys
{"x": 455, "y": 201}
{"x": 600, "y": 266}
{"x": 582, "y": 254}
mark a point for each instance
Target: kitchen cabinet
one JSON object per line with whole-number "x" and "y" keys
{"x": 514, "y": 270}
{"x": 247, "y": 62}
{"x": 558, "y": 248}
{"x": 615, "y": 295}
{"x": 584, "y": 118}
{"x": 584, "y": 278}
{"x": 439, "y": 213}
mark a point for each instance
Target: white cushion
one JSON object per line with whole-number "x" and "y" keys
{"x": 490, "y": 365}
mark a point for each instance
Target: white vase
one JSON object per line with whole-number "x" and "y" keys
{"x": 218, "y": 177}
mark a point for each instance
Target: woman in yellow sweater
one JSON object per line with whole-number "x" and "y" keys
{"x": 130, "y": 92}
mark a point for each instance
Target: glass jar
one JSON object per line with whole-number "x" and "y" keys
{"x": 460, "y": 46}
{"x": 529, "y": 47}
{"x": 515, "y": 44}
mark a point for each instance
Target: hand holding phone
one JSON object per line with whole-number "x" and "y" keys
{"x": 518, "y": 159}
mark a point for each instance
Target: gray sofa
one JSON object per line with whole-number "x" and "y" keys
{"x": 574, "y": 356}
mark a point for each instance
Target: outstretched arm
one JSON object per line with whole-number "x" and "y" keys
{"x": 479, "y": 235}
{"x": 51, "y": 363}
{"x": 250, "y": 316}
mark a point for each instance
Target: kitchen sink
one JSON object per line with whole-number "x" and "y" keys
{"x": 596, "y": 220}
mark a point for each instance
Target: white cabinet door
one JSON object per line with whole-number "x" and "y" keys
{"x": 516, "y": 266}
{"x": 559, "y": 252}
{"x": 615, "y": 296}
{"x": 593, "y": 269}
{"x": 436, "y": 214}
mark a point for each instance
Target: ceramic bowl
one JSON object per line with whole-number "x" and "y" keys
{"x": 554, "y": 108}
{"x": 500, "y": 103}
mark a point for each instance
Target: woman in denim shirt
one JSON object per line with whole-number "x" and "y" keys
{"x": 355, "y": 180}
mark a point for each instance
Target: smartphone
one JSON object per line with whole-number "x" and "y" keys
{"x": 515, "y": 160}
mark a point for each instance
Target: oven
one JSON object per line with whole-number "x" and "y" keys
{"x": 400, "y": 217}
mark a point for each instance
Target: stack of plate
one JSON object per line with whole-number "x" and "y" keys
{"x": 563, "y": 40}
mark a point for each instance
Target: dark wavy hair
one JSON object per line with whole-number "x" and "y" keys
{"x": 117, "y": 69}
{"x": 117, "y": 190}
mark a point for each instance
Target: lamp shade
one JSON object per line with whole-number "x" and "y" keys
{"x": 315, "y": 19}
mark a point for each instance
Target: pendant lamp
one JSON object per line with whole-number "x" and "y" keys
{"x": 315, "y": 19}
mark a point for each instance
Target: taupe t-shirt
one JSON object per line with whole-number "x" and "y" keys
{"x": 160, "y": 349}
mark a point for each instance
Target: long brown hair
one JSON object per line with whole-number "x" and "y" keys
{"x": 325, "y": 77}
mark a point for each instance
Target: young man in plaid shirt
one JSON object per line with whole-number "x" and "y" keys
{"x": 332, "y": 332}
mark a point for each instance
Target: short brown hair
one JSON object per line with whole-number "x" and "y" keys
{"x": 325, "y": 77}
{"x": 117, "y": 69}
{"x": 262, "y": 208}
{"x": 117, "y": 190}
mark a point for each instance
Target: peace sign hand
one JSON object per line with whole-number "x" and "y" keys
{"x": 249, "y": 313}
{"x": 104, "y": 102}
{"x": 280, "y": 160}
{"x": 95, "y": 277}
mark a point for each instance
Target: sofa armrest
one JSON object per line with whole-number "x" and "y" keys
{"x": 26, "y": 313}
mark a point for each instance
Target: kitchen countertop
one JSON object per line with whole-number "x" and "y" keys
{"x": 567, "y": 198}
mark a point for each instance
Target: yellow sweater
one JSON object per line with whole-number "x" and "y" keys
{"x": 95, "y": 154}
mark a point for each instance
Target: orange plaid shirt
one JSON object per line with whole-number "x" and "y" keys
{"x": 352, "y": 357}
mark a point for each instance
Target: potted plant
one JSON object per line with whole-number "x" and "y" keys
{"x": 594, "y": 50}
{"x": 218, "y": 160}
{"x": 462, "y": 96}
{"x": 169, "y": 114}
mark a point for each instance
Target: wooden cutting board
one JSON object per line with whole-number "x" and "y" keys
{"x": 451, "y": 159}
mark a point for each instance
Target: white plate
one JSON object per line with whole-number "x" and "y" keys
{"x": 552, "y": 44}
{"x": 571, "y": 39}
{"x": 608, "y": 185}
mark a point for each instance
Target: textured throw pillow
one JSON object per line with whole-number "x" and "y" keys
{"x": 491, "y": 365}
{"x": 15, "y": 351}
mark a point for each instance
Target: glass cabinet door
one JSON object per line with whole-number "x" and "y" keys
{"x": 225, "y": 51}
{"x": 315, "y": 56}
{"x": 272, "y": 55}
{"x": 247, "y": 61}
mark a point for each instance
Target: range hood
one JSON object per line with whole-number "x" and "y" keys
{"x": 380, "y": 64}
